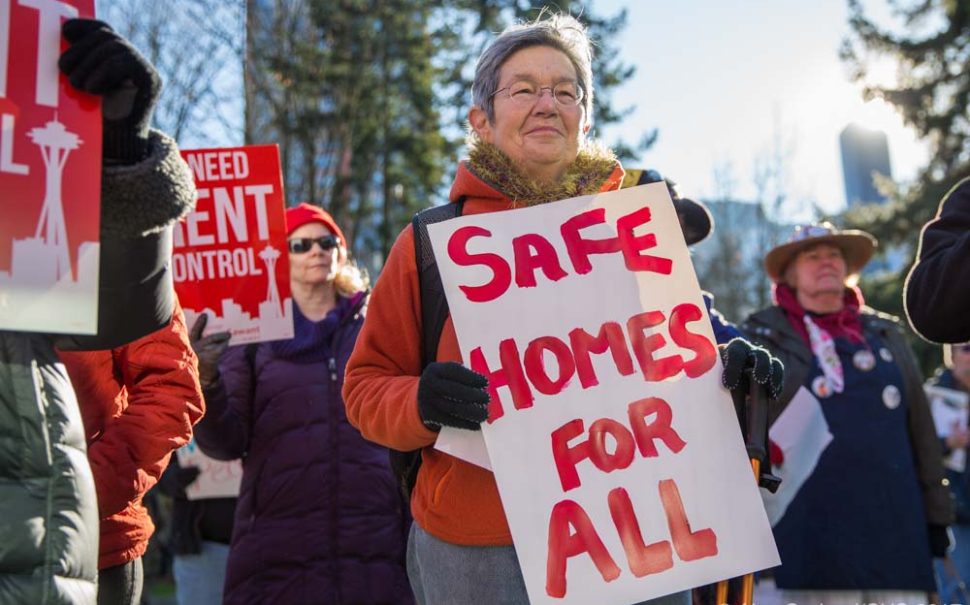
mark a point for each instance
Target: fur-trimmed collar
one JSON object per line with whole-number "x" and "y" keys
{"x": 584, "y": 176}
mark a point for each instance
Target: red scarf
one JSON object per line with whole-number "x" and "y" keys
{"x": 845, "y": 323}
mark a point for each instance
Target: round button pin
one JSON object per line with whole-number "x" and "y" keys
{"x": 891, "y": 397}
{"x": 864, "y": 360}
{"x": 821, "y": 388}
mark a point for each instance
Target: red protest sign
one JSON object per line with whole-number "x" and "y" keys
{"x": 229, "y": 257}
{"x": 50, "y": 175}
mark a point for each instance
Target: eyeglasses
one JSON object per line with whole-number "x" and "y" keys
{"x": 525, "y": 93}
{"x": 302, "y": 245}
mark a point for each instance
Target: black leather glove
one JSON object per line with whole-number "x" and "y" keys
{"x": 939, "y": 541}
{"x": 209, "y": 349}
{"x": 100, "y": 62}
{"x": 449, "y": 394}
{"x": 766, "y": 369}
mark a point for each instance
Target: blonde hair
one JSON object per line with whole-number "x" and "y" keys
{"x": 350, "y": 278}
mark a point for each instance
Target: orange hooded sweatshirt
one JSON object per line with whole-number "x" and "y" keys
{"x": 452, "y": 500}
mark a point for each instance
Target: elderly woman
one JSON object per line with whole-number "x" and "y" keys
{"x": 864, "y": 525}
{"x": 319, "y": 517}
{"x": 532, "y": 97}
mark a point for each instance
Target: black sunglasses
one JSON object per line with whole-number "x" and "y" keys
{"x": 302, "y": 245}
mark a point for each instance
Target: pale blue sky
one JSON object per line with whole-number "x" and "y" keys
{"x": 720, "y": 78}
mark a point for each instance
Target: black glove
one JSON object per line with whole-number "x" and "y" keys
{"x": 449, "y": 394}
{"x": 939, "y": 541}
{"x": 766, "y": 369}
{"x": 185, "y": 475}
{"x": 100, "y": 62}
{"x": 208, "y": 349}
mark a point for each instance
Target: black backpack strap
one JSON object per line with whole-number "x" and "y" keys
{"x": 434, "y": 305}
{"x": 434, "y": 312}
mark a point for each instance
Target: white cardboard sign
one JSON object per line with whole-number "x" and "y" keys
{"x": 616, "y": 451}
{"x": 217, "y": 478}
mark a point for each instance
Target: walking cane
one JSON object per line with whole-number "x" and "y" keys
{"x": 753, "y": 416}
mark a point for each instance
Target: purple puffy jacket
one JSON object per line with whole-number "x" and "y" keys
{"x": 319, "y": 518}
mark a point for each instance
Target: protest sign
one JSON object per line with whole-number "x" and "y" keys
{"x": 230, "y": 258}
{"x": 50, "y": 176}
{"x": 950, "y": 411}
{"x": 801, "y": 434}
{"x": 616, "y": 451}
{"x": 217, "y": 478}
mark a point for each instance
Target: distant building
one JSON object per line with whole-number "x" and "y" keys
{"x": 864, "y": 152}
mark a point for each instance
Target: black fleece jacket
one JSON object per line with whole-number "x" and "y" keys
{"x": 938, "y": 287}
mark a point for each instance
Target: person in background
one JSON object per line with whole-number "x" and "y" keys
{"x": 874, "y": 510}
{"x": 199, "y": 531}
{"x": 937, "y": 293}
{"x": 955, "y": 376}
{"x": 50, "y": 522}
{"x": 319, "y": 517}
{"x": 140, "y": 400}
{"x": 532, "y": 103}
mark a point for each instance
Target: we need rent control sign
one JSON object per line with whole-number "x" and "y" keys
{"x": 615, "y": 448}
{"x": 230, "y": 259}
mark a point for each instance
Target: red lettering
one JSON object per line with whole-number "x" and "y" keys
{"x": 580, "y": 249}
{"x": 563, "y": 544}
{"x": 510, "y": 375}
{"x": 644, "y": 560}
{"x": 690, "y": 545}
{"x": 583, "y": 343}
{"x": 704, "y": 352}
{"x": 632, "y": 245}
{"x": 535, "y": 369}
{"x": 501, "y": 273}
{"x": 654, "y": 370}
{"x": 568, "y": 457}
{"x": 660, "y": 428}
{"x": 526, "y": 263}
{"x": 619, "y": 459}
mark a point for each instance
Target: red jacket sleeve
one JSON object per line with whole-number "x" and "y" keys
{"x": 157, "y": 402}
{"x": 381, "y": 381}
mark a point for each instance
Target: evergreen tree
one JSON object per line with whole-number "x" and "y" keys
{"x": 930, "y": 46}
{"x": 929, "y": 42}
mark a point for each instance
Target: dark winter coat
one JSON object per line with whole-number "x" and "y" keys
{"x": 319, "y": 517}
{"x": 882, "y": 475}
{"x": 938, "y": 287}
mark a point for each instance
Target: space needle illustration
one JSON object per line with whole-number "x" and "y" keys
{"x": 56, "y": 144}
{"x": 271, "y": 308}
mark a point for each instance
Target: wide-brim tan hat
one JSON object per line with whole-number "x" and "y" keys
{"x": 857, "y": 247}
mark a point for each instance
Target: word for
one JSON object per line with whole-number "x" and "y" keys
{"x": 213, "y": 264}
{"x": 231, "y": 214}
{"x": 641, "y": 438}
{"x": 523, "y": 373}
{"x": 571, "y": 533}
{"x": 533, "y": 252}
{"x": 48, "y": 33}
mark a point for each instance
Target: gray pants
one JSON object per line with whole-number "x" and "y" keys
{"x": 122, "y": 584}
{"x": 442, "y": 573}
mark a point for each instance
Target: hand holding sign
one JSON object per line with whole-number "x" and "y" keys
{"x": 449, "y": 394}
{"x": 101, "y": 62}
{"x": 208, "y": 349}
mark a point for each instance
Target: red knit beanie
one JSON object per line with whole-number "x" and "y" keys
{"x": 306, "y": 213}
